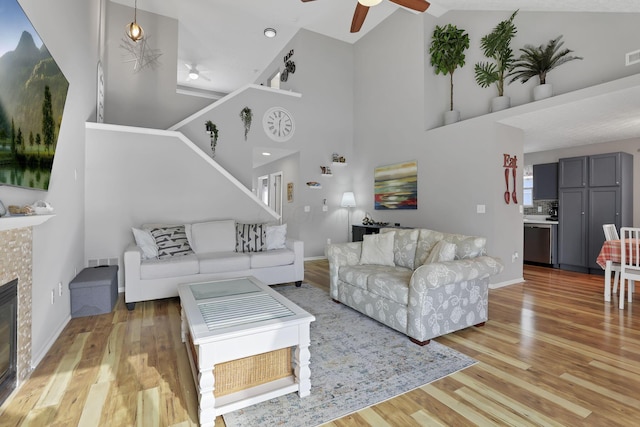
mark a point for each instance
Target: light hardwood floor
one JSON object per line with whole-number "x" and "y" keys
{"x": 553, "y": 353}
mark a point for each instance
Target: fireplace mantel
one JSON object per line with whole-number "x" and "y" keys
{"x": 20, "y": 221}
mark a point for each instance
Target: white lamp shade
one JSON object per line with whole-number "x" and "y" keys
{"x": 369, "y": 2}
{"x": 348, "y": 200}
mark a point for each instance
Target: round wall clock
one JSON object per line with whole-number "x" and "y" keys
{"x": 278, "y": 124}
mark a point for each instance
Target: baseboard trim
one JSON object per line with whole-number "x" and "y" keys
{"x": 314, "y": 258}
{"x": 506, "y": 283}
{"x": 35, "y": 361}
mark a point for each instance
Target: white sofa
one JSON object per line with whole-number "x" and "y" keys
{"x": 209, "y": 254}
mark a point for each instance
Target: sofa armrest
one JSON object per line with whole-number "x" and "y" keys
{"x": 448, "y": 296}
{"x": 297, "y": 246}
{"x": 431, "y": 276}
{"x": 340, "y": 254}
{"x": 131, "y": 260}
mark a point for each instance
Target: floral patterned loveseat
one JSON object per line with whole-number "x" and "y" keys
{"x": 431, "y": 284}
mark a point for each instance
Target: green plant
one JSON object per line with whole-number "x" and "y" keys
{"x": 212, "y": 129}
{"x": 246, "y": 116}
{"x": 539, "y": 60}
{"x": 497, "y": 46}
{"x": 447, "y": 48}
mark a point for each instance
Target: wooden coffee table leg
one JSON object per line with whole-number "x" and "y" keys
{"x": 302, "y": 356}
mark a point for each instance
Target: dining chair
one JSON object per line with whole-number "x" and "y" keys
{"x": 611, "y": 233}
{"x": 629, "y": 260}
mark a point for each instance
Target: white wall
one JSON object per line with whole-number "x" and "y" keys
{"x": 127, "y": 186}
{"x": 58, "y": 245}
{"x": 146, "y": 98}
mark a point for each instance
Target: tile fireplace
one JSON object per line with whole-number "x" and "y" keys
{"x": 8, "y": 337}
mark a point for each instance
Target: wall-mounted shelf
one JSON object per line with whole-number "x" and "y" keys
{"x": 20, "y": 221}
{"x": 314, "y": 185}
{"x": 339, "y": 163}
{"x": 328, "y": 175}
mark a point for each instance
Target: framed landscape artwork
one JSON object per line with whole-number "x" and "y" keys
{"x": 33, "y": 92}
{"x": 396, "y": 186}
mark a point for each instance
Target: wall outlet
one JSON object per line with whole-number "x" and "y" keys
{"x": 307, "y": 208}
{"x": 325, "y": 208}
{"x": 515, "y": 256}
{"x": 59, "y": 289}
{"x": 328, "y": 241}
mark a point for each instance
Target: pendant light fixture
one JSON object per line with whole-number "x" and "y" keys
{"x": 133, "y": 30}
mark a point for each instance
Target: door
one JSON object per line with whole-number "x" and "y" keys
{"x": 572, "y": 227}
{"x": 275, "y": 194}
{"x": 572, "y": 172}
{"x": 604, "y": 206}
{"x": 604, "y": 170}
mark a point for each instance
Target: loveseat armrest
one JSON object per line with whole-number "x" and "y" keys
{"x": 434, "y": 275}
{"x": 340, "y": 254}
{"x": 297, "y": 246}
{"x": 448, "y": 296}
{"x": 131, "y": 259}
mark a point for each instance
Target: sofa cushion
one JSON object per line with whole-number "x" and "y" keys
{"x": 358, "y": 275}
{"x": 169, "y": 267}
{"x": 276, "y": 236}
{"x": 146, "y": 242}
{"x": 272, "y": 258}
{"x": 377, "y": 249}
{"x": 392, "y": 285}
{"x": 467, "y": 246}
{"x": 213, "y": 236}
{"x": 441, "y": 252}
{"x": 171, "y": 241}
{"x": 426, "y": 241}
{"x": 222, "y": 262}
{"x": 404, "y": 246}
{"x": 250, "y": 237}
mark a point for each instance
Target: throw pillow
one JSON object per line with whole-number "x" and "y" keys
{"x": 404, "y": 247}
{"x": 377, "y": 249}
{"x": 441, "y": 252}
{"x": 171, "y": 241}
{"x": 250, "y": 237}
{"x": 146, "y": 242}
{"x": 276, "y": 236}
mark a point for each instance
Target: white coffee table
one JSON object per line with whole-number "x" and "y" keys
{"x": 232, "y": 319}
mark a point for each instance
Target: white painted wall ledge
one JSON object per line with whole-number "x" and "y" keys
{"x": 22, "y": 221}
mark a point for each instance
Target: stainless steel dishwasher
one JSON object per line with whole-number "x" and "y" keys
{"x": 538, "y": 243}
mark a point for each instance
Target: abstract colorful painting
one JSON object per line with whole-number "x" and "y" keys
{"x": 33, "y": 92}
{"x": 396, "y": 186}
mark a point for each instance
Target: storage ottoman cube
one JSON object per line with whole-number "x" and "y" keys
{"x": 94, "y": 291}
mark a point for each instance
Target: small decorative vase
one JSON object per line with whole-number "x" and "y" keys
{"x": 542, "y": 91}
{"x": 500, "y": 103}
{"x": 451, "y": 116}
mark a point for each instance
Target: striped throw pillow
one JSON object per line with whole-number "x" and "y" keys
{"x": 250, "y": 237}
{"x": 171, "y": 241}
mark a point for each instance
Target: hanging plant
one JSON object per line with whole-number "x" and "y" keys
{"x": 212, "y": 130}
{"x": 246, "y": 115}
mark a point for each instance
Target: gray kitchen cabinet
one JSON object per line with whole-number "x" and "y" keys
{"x": 572, "y": 228}
{"x": 594, "y": 190}
{"x": 572, "y": 172}
{"x": 545, "y": 181}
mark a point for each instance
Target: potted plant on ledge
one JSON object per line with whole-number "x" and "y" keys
{"x": 497, "y": 46}
{"x": 538, "y": 61}
{"x": 447, "y": 54}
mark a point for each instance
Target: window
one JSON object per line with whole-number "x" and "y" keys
{"x": 274, "y": 81}
{"x": 527, "y": 186}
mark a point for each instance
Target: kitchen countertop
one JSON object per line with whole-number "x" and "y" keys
{"x": 538, "y": 219}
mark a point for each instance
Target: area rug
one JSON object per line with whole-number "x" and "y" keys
{"x": 356, "y": 362}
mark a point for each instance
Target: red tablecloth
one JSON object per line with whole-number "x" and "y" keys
{"x": 610, "y": 251}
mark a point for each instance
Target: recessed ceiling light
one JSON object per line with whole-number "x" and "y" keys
{"x": 269, "y": 32}
{"x": 266, "y": 154}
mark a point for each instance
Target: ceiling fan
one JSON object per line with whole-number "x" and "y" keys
{"x": 362, "y": 7}
{"x": 194, "y": 73}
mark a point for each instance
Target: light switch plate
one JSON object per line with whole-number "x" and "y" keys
{"x": 480, "y": 208}
{"x": 307, "y": 208}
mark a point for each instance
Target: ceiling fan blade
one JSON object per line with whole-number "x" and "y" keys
{"x": 419, "y": 5}
{"x": 358, "y": 17}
